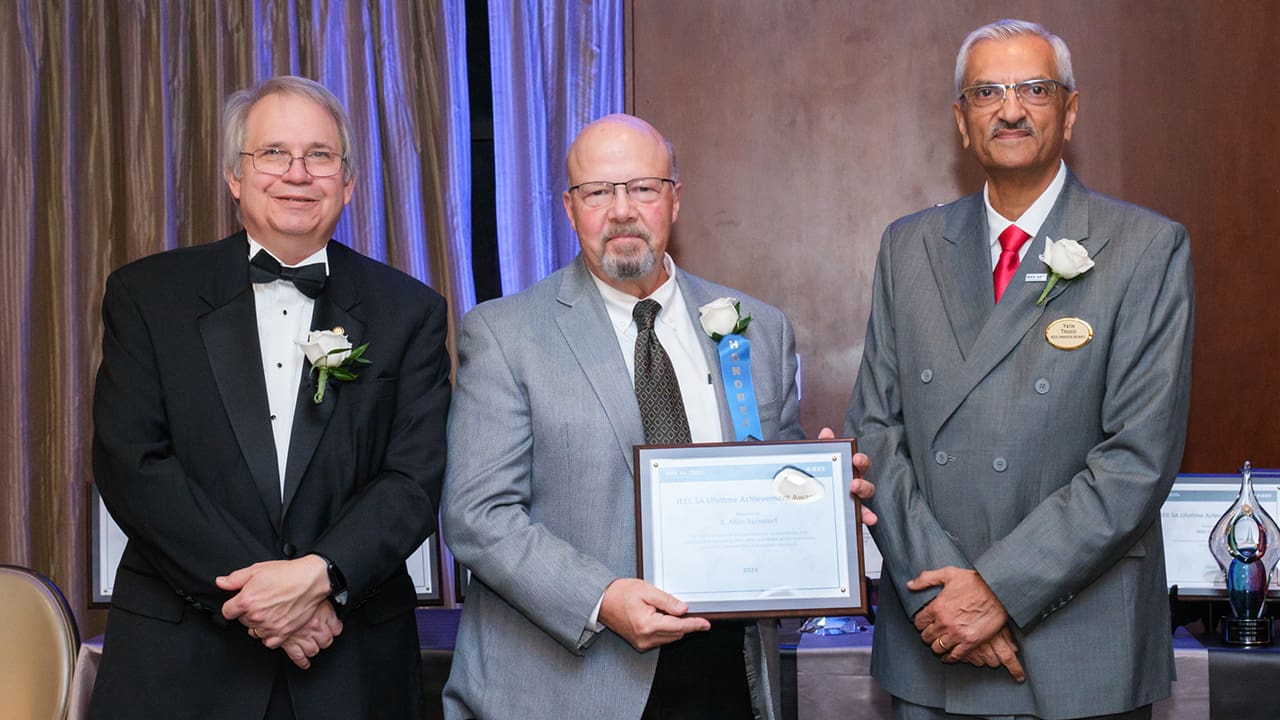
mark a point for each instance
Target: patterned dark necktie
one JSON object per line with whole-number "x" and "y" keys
{"x": 657, "y": 390}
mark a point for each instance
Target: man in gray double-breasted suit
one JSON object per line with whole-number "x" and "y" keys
{"x": 1025, "y": 439}
{"x": 539, "y": 501}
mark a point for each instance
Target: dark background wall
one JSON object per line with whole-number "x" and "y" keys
{"x": 803, "y": 128}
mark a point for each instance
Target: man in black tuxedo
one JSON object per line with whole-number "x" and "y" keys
{"x": 268, "y": 522}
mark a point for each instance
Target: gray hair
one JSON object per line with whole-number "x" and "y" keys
{"x": 235, "y": 117}
{"x": 1007, "y": 29}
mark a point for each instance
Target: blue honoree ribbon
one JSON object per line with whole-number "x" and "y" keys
{"x": 739, "y": 390}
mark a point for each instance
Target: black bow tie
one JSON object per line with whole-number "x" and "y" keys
{"x": 309, "y": 279}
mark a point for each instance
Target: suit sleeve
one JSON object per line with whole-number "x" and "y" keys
{"x": 187, "y": 536}
{"x": 907, "y": 533}
{"x": 396, "y": 510}
{"x": 1080, "y": 531}
{"x": 488, "y": 495}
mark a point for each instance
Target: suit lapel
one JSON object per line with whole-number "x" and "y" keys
{"x": 334, "y": 308}
{"x": 697, "y": 293}
{"x": 230, "y": 333}
{"x": 1017, "y": 312}
{"x": 585, "y": 325}
{"x": 961, "y": 263}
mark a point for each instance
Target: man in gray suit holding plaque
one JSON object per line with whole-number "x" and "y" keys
{"x": 555, "y": 387}
{"x": 1026, "y": 413}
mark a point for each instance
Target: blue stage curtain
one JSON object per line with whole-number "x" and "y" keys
{"x": 556, "y": 65}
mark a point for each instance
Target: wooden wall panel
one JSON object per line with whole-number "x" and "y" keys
{"x": 803, "y": 128}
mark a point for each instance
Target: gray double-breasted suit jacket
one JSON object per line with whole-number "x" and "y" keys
{"x": 1042, "y": 468}
{"x": 539, "y": 498}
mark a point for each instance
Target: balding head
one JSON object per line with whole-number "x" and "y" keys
{"x": 623, "y": 236}
{"x": 620, "y": 133}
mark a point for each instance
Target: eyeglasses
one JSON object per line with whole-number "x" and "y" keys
{"x": 644, "y": 190}
{"x": 318, "y": 163}
{"x": 1030, "y": 92}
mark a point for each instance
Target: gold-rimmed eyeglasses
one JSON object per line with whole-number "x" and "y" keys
{"x": 644, "y": 190}
{"x": 318, "y": 163}
{"x": 1039, "y": 91}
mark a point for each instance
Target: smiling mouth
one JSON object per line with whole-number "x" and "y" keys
{"x": 292, "y": 200}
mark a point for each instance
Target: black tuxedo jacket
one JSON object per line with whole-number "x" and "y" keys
{"x": 184, "y": 458}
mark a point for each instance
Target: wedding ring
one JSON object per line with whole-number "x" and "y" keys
{"x": 253, "y": 632}
{"x": 941, "y": 645}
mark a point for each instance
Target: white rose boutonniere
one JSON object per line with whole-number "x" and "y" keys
{"x": 331, "y": 355}
{"x": 1066, "y": 259}
{"x": 723, "y": 317}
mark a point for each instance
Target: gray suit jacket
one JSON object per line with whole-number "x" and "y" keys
{"x": 1043, "y": 469}
{"x": 539, "y": 500}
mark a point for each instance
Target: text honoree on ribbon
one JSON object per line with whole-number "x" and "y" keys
{"x": 722, "y": 319}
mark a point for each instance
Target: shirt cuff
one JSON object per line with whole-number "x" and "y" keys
{"x": 593, "y": 627}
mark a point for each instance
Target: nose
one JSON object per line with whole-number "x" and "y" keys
{"x": 297, "y": 171}
{"x": 621, "y": 207}
{"x": 1011, "y": 108}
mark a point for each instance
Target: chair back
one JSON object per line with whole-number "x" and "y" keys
{"x": 38, "y": 645}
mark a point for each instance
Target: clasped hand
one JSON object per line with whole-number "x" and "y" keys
{"x": 283, "y": 604}
{"x": 966, "y": 622}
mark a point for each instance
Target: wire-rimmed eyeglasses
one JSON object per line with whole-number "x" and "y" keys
{"x": 318, "y": 163}
{"x": 643, "y": 190}
{"x": 1039, "y": 91}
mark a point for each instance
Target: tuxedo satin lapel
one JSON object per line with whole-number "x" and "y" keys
{"x": 696, "y": 294}
{"x": 585, "y": 325}
{"x": 336, "y": 307}
{"x": 961, "y": 264}
{"x": 230, "y": 332}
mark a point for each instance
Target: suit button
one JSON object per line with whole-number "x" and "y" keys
{"x": 1000, "y": 464}
{"x": 289, "y": 549}
{"x": 940, "y": 457}
{"x": 926, "y": 375}
{"x": 1042, "y": 386}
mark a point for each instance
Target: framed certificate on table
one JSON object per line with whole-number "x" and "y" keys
{"x": 751, "y": 530}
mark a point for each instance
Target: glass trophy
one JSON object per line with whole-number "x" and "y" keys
{"x": 1246, "y": 543}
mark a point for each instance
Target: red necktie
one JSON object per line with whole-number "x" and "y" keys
{"x": 1011, "y": 240}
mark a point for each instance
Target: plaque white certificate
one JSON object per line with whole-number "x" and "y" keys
{"x": 751, "y": 529}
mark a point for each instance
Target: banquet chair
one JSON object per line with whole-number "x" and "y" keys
{"x": 38, "y": 646}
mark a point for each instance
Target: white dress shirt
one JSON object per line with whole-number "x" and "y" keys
{"x": 1030, "y": 221}
{"x": 284, "y": 316}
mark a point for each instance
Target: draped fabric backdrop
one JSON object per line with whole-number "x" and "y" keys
{"x": 110, "y": 136}
{"x": 556, "y": 66}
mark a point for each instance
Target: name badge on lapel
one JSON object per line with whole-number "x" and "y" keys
{"x": 1068, "y": 333}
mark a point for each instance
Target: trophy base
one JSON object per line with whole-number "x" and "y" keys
{"x": 1247, "y": 631}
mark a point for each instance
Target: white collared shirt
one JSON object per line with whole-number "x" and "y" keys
{"x": 1030, "y": 221}
{"x": 681, "y": 340}
{"x": 284, "y": 315}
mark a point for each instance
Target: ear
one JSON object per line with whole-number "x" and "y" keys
{"x": 1073, "y": 104}
{"x": 675, "y": 202}
{"x": 234, "y": 184}
{"x": 568, "y": 209}
{"x": 962, "y": 124}
{"x": 348, "y": 190}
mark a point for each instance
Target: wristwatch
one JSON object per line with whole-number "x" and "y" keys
{"x": 337, "y": 583}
